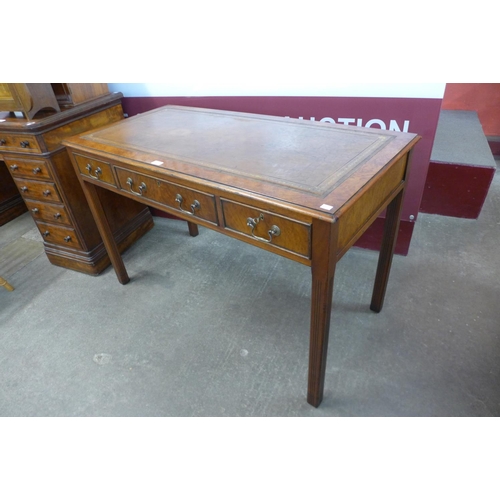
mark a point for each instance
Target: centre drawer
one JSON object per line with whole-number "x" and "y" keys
{"x": 46, "y": 191}
{"x": 184, "y": 200}
{"x": 268, "y": 227}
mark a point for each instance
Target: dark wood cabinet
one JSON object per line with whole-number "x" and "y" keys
{"x": 42, "y": 174}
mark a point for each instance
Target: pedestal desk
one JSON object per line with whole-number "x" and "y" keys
{"x": 44, "y": 176}
{"x": 302, "y": 190}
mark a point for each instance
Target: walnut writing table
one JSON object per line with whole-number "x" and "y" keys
{"x": 303, "y": 190}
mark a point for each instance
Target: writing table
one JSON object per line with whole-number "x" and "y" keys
{"x": 303, "y": 190}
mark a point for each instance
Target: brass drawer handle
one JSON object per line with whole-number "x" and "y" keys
{"x": 35, "y": 210}
{"x": 46, "y": 192}
{"x": 3, "y": 142}
{"x": 45, "y": 234}
{"x": 194, "y": 206}
{"x": 142, "y": 187}
{"x": 97, "y": 171}
{"x": 24, "y": 144}
{"x": 14, "y": 167}
{"x": 24, "y": 189}
{"x": 57, "y": 215}
{"x": 274, "y": 231}
{"x": 37, "y": 170}
{"x": 67, "y": 239}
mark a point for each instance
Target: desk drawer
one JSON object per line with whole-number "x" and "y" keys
{"x": 96, "y": 169}
{"x": 267, "y": 227}
{"x": 184, "y": 200}
{"x": 49, "y": 213}
{"x": 45, "y": 191}
{"x": 59, "y": 235}
{"x": 22, "y": 143}
{"x": 34, "y": 169}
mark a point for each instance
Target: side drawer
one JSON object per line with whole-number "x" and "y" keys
{"x": 59, "y": 235}
{"x": 267, "y": 227}
{"x": 37, "y": 190}
{"x": 34, "y": 169}
{"x": 49, "y": 213}
{"x": 184, "y": 200}
{"x": 96, "y": 169}
{"x": 21, "y": 143}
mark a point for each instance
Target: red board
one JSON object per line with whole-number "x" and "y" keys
{"x": 456, "y": 190}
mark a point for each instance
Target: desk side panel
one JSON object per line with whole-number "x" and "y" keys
{"x": 364, "y": 209}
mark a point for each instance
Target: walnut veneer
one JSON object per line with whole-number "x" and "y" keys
{"x": 42, "y": 171}
{"x": 303, "y": 190}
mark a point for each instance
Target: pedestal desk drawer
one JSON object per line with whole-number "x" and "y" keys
{"x": 49, "y": 213}
{"x": 267, "y": 227}
{"x": 35, "y": 169}
{"x": 46, "y": 191}
{"x": 184, "y": 200}
{"x": 23, "y": 143}
{"x": 59, "y": 235}
{"x": 96, "y": 169}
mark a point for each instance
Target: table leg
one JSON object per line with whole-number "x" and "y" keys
{"x": 105, "y": 231}
{"x": 193, "y": 229}
{"x": 391, "y": 229}
{"x": 324, "y": 253}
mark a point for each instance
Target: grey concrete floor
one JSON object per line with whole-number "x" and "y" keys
{"x": 209, "y": 326}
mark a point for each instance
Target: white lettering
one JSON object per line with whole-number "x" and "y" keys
{"x": 346, "y": 121}
{"x": 376, "y": 122}
{"x": 394, "y": 126}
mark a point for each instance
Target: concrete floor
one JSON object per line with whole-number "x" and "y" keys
{"x": 209, "y": 326}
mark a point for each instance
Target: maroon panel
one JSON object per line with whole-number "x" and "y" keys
{"x": 414, "y": 115}
{"x": 494, "y": 146}
{"x": 372, "y": 238}
{"x": 456, "y": 190}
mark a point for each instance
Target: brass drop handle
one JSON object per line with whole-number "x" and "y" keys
{"x": 46, "y": 192}
{"x": 14, "y": 167}
{"x": 3, "y": 142}
{"x": 57, "y": 215}
{"x": 37, "y": 170}
{"x": 45, "y": 234}
{"x": 67, "y": 239}
{"x": 24, "y": 189}
{"x": 35, "y": 210}
{"x": 142, "y": 187}
{"x": 274, "y": 231}
{"x": 194, "y": 206}
{"x": 24, "y": 144}
{"x": 97, "y": 171}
